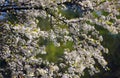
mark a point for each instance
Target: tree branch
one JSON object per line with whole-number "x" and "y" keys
{"x": 8, "y": 8}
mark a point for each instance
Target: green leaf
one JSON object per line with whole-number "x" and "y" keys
{"x": 95, "y": 14}
{"x": 105, "y": 13}
{"x": 44, "y": 23}
{"x": 108, "y": 22}
{"x": 118, "y": 16}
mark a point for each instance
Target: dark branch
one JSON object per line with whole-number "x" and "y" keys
{"x": 24, "y": 6}
{"x": 8, "y": 8}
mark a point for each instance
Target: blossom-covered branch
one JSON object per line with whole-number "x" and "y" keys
{"x": 56, "y": 38}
